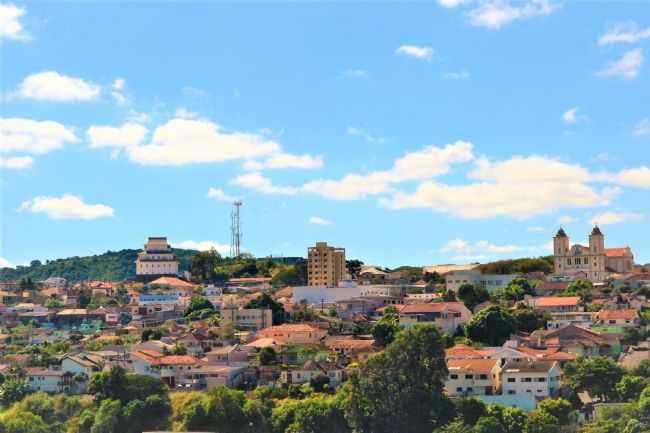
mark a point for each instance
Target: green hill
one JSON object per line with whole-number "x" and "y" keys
{"x": 112, "y": 265}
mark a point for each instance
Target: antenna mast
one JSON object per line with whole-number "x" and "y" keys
{"x": 235, "y": 230}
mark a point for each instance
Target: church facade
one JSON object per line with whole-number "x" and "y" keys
{"x": 593, "y": 262}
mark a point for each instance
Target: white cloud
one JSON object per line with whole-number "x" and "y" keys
{"x": 415, "y": 51}
{"x": 459, "y": 75}
{"x": 355, "y": 73}
{"x": 428, "y": 162}
{"x": 262, "y": 184}
{"x": 32, "y": 136}
{"x": 16, "y": 162}
{"x": 517, "y": 188}
{"x": 494, "y": 14}
{"x": 468, "y": 259}
{"x": 627, "y": 32}
{"x": 184, "y": 113}
{"x": 67, "y": 206}
{"x": 638, "y": 177}
{"x": 11, "y": 26}
{"x": 360, "y": 132}
{"x": 535, "y": 229}
{"x": 570, "y": 116}
{"x": 462, "y": 246}
{"x": 219, "y": 195}
{"x": 4, "y": 263}
{"x": 194, "y": 92}
{"x": 642, "y": 128}
{"x": 452, "y": 3}
{"x": 566, "y": 219}
{"x": 204, "y": 246}
{"x": 607, "y": 218}
{"x": 52, "y": 86}
{"x": 129, "y": 134}
{"x": 196, "y": 141}
{"x": 286, "y": 160}
{"x": 139, "y": 117}
{"x": 627, "y": 67}
{"x": 319, "y": 221}
{"x": 117, "y": 91}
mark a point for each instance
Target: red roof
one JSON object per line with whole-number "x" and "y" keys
{"x": 432, "y": 307}
{"x": 471, "y": 365}
{"x": 462, "y": 351}
{"x": 616, "y": 252}
{"x": 556, "y": 301}
{"x": 157, "y": 358}
{"x": 617, "y": 314}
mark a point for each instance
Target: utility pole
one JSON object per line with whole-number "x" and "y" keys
{"x": 235, "y": 230}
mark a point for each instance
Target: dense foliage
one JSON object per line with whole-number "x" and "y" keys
{"x": 519, "y": 266}
{"x": 112, "y": 266}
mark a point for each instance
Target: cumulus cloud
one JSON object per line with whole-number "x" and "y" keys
{"x": 607, "y": 218}
{"x": 518, "y": 188}
{"x": 32, "y": 136}
{"x": 627, "y": 67}
{"x": 196, "y": 141}
{"x": 67, "y": 206}
{"x": 637, "y": 177}
{"x": 16, "y": 162}
{"x": 4, "y": 263}
{"x": 204, "y": 246}
{"x": 566, "y": 219}
{"x": 52, "y": 86}
{"x": 535, "y": 229}
{"x": 360, "y": 132}
{"x": 286, "y": 160}
{"x": 220, "y": 195}
{"x": 129, "y": 134}
{"x": 452, "y": 3}
{"x": 571, "y": 116}
{"x": 415, "y": 51}
{"x": 256, "y": 181}
{"x": 429, "y": 162}
{"x": 117, "y": 91}
{"x": 495, "y": 14}
{"x": 319, "y": 221}
{"x": 627, "y": 32}
{"x": 642, "y": 128}
{"x": 11, "y": 26}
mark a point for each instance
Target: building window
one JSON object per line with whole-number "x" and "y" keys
{"x": 511, "y": 379}
{"x": 453, "y": 376}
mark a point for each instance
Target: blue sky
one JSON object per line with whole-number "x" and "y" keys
{"x": 408, "y": 133}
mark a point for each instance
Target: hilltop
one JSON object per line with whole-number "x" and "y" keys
{"x": 112, "y": 265}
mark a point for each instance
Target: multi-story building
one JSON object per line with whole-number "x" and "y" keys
{"x": 326, "y": 265}
{"x": 157, "y": 258}
{"x": 541, "y": 379}
{"x": 491, "y": 282}
{"x": 594, "y": 262}
{"x": 251, "y": 319}
{"x": 472, "y": 377}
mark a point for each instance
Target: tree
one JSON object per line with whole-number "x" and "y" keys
{"x": 488, "y": 424}
{"x": 22, "y": 422}
{"x": 492, "y": 326}
{"x": 629, "y": 387}
{"x": 470, "y": 409}
{"x": 512, "y": 419}
{"x": 386, "y": 329}
{"x": 221, "y": 409}
{"x": 400, "y": 389}
{"x": 319, "y": 382}
{"x": 472, "y": 294}
{"x": 108, "y": 418}
{"x": 203, "y": 265}
{"x": 198, "y": 305}
{"x": 354, "y": 267}
{"x": 13, "y": 390}
{"x": 455, "y": 427}
{"x": 597, "y": 375}
{"x": 315, "y": 414}
{"x": 121, "y": 295}
{"x": 559, "y": 408}
{"x": 266, "y": 356}
{"x": 117, "y": 384}
{"x": 147, "y": 415}
{"x": 266, "y": 301}
{"x": 582, "y": 288}
{"x": 53, "y": 302}
{"x": 542, "y": 422}
{"x": 529, "y": 320}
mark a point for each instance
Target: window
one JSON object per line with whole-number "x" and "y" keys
{"x": 453, "y": 376}
{"x": 511, "y": 379}
{"x": 459, "y": 389}
{"x": 541, "y": 379}
{"x": 469, "y": 376}
{"x": 483, "y": 377}
{"x": 512, "y": 392}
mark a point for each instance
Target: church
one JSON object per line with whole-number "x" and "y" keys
{"x": 595, "y": 262}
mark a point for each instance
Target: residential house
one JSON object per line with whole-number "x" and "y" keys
{"x": 294, "y": 333}
{"x": 621, "y": 318}
{"x": 580, "y": 318}
{"x": 576, "y": 340}
{"x": 47, "y": 380}
{"x": 251, "y": 319}
{"x": 447, "y": 316}
{"x": 311, "y": 369}
{"x": 171, "y": 369}
{"x": 352, "y": 349}
{"x": 212, "y": 375}
{"x": 551, "y": 288}
{"x": 541, "y": 379}
{"x": 491, "y": 282}
{"x": 85, "y": 364}
{"x": 472, "y": 377}
{"x": 556, "y": 304}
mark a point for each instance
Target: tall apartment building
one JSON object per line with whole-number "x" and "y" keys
{"x": 157, "y": 258}
{"x": 326, "y": 265}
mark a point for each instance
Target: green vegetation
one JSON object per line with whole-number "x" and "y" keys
{"x": 112, "y": 266}
{"x": 491, "y": 326}
{"x": 519, "y": 266}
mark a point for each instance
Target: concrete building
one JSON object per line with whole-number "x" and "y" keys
{"x": 157, "y": 258}
{"x": 541, "y": 379}
{"x": 491, "y": 282}
{"x": 594, "y": 262}
{"x": 250, "y": 319}
{"x": 472, "y": 377}
{"x": 326, "y": 265}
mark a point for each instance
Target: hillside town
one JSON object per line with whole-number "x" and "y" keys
{"x": 571, "y": 330}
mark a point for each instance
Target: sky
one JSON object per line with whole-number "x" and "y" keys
{"x": 420, "y": 132}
